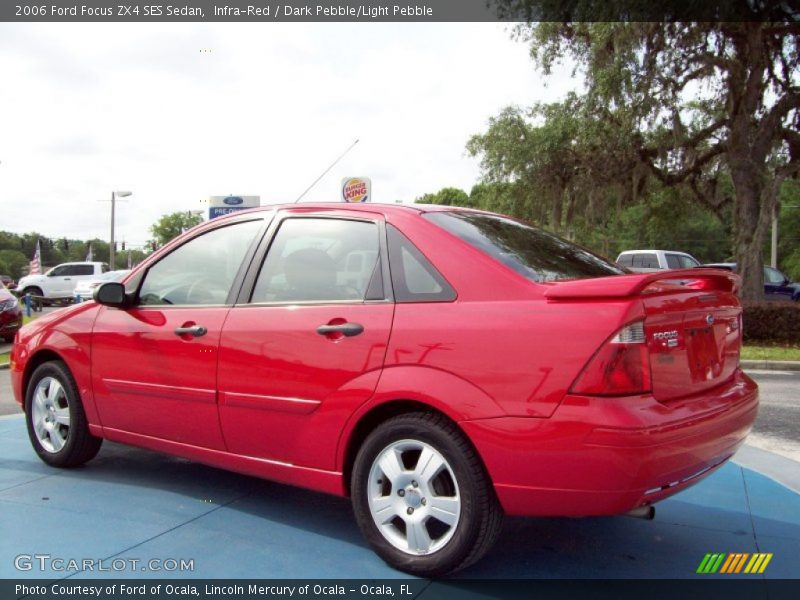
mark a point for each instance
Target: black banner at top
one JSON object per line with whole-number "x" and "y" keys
{"x": 275, "y": 11}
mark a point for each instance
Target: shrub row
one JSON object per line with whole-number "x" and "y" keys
{"x": 777, "y": 322}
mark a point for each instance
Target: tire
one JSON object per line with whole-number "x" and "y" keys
{"x": 398, "y": 500}
{"x": 33, "y": 291}
{"x": 56, "y": 421}
{"x": 8, "y": 339}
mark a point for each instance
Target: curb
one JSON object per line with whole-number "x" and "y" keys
{"x": 771, "y": 365}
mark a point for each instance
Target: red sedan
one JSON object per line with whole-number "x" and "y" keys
{"x": 10, "y": 314}
{"x": 441, "y": 366}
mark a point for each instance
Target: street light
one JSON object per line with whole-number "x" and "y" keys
{"x": 121, "y": 194}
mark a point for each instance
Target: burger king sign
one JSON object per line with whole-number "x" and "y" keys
{"x": 356, "y": 189}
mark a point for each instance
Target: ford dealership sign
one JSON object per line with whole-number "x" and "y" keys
{"x": 224, "y": 205}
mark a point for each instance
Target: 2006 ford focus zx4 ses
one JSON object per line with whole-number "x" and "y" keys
{"x": 442, "y": 367}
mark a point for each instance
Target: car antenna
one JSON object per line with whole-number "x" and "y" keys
{"x": 333, "y": 164}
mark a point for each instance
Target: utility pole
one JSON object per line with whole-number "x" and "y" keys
{"x": 111, "y": 253}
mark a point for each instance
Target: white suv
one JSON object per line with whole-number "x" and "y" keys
{"x": 645, "y": 261}
{"x": 59, "y": 282}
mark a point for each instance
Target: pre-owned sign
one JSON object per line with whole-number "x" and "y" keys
{"x": 219, "y": 206}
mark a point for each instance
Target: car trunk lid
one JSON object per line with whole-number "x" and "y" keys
{"x": 692, "y": 324}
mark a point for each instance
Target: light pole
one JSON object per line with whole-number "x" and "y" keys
{"x": 111, "y": 263}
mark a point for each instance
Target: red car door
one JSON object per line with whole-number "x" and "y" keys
{"x": 313, "y": 334}
{"x": 154, "y": 365}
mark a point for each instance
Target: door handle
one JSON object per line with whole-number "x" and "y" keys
{"x": 346, "y": 329}
{"x": 67, "y": 279}
{"x": 193, "y": 330}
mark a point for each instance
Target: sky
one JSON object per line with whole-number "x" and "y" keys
{"x": 176, "y": 113}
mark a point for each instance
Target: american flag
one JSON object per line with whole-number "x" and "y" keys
{"x": 35, "y": 267}
{"x": 90, "y": 254}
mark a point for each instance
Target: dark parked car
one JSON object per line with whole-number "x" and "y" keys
{"x": 777, "y": 286}
{"x": 8, "y": 281}
{"x": 10, "y": 314}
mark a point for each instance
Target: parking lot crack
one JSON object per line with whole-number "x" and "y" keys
{"x": 749, "y": 509}
{"x": 165, "y": 532}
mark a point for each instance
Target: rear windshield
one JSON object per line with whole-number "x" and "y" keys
{"x": 531, "y": 252}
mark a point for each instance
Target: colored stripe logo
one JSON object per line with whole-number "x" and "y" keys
{"x": 734, "y": 563}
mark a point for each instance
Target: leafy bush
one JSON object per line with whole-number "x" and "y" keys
{"x": 777, "y": 322}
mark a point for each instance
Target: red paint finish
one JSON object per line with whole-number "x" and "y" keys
{"x": 264, "y": 393}
{"x": 150, "y": 381}
{"x": 276, "y": 372}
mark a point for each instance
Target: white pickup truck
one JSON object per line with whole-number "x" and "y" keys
{"x": 645, "y": 261}
{"x": 59, "y": 282}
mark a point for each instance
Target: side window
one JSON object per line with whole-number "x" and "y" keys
{"x": 773, "y": 275}
{"x": 60, "y": 271}
{"x": 321, "y": 260}
{"x": 414, "y": 278}
{"x": 673, "y": 261}
{"x": 687, "y": 262}
{"x": 202, "y": 270}
{"x": 82, "y": 270}
{"x": 645, "y": 260}
{"x": 626, "y": 260}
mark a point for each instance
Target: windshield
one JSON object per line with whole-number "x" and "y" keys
{"x": 530, "y": 251}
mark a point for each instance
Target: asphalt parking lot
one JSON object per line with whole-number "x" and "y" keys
{"x": 140, "y": 506}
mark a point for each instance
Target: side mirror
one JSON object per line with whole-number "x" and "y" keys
{"x": 111, "y": 293}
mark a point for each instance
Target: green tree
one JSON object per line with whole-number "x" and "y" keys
{"x": 14, "y": 261}
{"x": 448, "y": 196}
{"x": 697, "y": 101}
{"x": 561, "y": 162}
{"x": 172, "y": 225}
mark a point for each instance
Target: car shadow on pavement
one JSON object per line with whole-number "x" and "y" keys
{"x": 175, "y": 506}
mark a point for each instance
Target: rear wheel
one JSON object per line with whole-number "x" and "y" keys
{"x": 56, "y": 421}
{"x": 8, "y": 338}
{"x": 421, "y": 496}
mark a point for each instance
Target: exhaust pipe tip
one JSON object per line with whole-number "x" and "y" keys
{"x": 648, "y": 513}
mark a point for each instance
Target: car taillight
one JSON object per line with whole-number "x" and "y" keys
{"x": 620, "y": 368}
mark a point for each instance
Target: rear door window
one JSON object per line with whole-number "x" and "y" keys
{"x": 673, "y": 261}
{"x": 626, "y": 260}
{"x": 82, "y": 270}
{"x": 321, "y": 260}
{"x": 645, "y": 260}
{"x": 528, "y": 250}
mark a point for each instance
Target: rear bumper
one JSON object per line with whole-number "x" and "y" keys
{"x": 603, "y": 456}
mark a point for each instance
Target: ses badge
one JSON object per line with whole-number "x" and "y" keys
{"x": 356, "y": 189}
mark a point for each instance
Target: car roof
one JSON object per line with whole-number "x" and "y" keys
{"x": 654, "y": 250}
{"x": 370, "y": 207}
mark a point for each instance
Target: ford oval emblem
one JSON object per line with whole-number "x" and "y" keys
{"x": 710, "y": 319}
{"x": 233, "y": 200}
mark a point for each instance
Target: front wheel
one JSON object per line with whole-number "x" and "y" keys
{"x": 422, "y": 497}
{"x": 56, "y": 421}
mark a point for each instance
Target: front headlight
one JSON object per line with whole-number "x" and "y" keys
{"x": 9, "y": 304}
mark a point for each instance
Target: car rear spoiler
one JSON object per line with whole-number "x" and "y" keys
{"x": 660, "y": 282}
